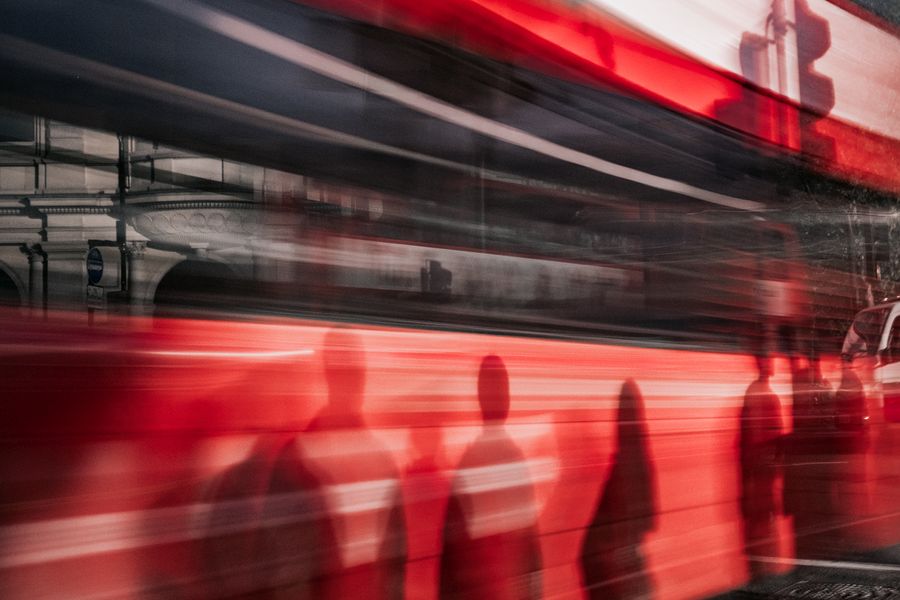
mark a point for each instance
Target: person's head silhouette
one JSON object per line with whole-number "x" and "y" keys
{"x": 764, "y": 364}
{"x": 631, "y": 407}
{"x": 493, "y": 389}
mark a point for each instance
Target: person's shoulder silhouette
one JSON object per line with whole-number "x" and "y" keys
{"x": 490, "y": 544}
{"x": 230, "y": 550}
{"x": 359, "y": 482}
{"x": 297, "y": 535}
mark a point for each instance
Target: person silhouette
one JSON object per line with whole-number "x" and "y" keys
{"x": 426, "y": 488}
{"x": 760, "y": 449}
{"x": 490, "y": 544}
{"x": 264, "y": 511}
{"x": 809, "y": 460}
{"x": 297, "y": 548}
{"x": 232, "y": 557}
{"x": 612, "y": 560}
{"x": 363, "y": 553}
{"x": 851, "y": 493}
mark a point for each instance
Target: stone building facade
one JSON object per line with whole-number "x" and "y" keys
{"x": 157, "y": 211}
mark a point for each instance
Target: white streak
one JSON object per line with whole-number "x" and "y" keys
{"x": 226, "y": 354}
{"x": 829, "y": 564}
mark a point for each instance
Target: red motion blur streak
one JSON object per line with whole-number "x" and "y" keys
{"x": 127, "y": 423}
{"x": 582, "y": 44}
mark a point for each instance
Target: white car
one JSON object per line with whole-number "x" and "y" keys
{"x": 873, "y": 346}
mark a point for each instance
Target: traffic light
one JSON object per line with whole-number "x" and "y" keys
{"x": 816, "y": 90}
{"x": 750, "y": 111}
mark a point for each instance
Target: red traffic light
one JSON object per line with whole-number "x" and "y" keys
{"x": 816, "y": 90}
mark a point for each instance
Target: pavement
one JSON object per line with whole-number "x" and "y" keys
{"x": 874, "y": 575}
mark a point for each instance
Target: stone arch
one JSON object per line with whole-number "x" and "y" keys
{"x": 11, "y": 288}
{"x": 196, "y": 283}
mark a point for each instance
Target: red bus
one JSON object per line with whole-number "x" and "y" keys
{"x": 340, "y": 301}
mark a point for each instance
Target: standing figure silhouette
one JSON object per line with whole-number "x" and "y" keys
{"x": 490, "y": 544}
{"x": 612, "y": 558}
{"x": 364, "y": 548}
{"x": 760, "y": 458}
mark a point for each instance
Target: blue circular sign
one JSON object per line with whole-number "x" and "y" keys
{"x": 94, "y": 266}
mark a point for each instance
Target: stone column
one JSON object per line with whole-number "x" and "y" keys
{"x": 146, "y": 268}
{"x": 35, "y": 292}
{"x": 66, "y": 274}
{"x": 138, "y": 304}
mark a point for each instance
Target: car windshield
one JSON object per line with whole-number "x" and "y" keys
{"x": 865, "y": 333}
